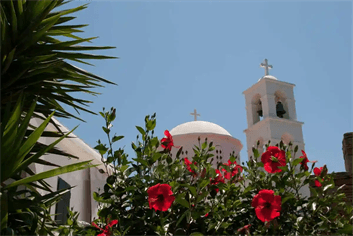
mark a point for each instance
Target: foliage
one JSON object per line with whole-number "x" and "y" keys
{"x": 36, "y": 80}
{"x": 75, "y": 227}
{"x": 35, "y": 57}
{"x": 206, "y": 203}
{"x": 24, "y": 210}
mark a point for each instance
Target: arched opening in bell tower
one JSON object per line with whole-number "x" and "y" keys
{"x": 256, "y": 107}
{"x": 281, "y": 105}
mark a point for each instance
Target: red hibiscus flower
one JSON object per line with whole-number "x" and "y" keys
{"x": 217, "y": 180}
{"x": 237, "y": 169}
{"x": 317, "y": 172}
{"x": 273, "y": 158}
{"x": 267, "y": 205}
{"x": 167, "y": 143}
{"x": 188, "y": 163}
{"x": 160, "y": 197}
{"x": 304, "y": 163}
{"x": 244, "y": 230}
{"x": 107, "y": 230}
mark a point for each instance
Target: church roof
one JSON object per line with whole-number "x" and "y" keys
{"x": 198, "y": 127}
{"x": 268, "y": 77}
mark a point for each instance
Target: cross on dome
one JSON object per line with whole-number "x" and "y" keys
{"x": 195, "y": 115}
{"x": 266, "y": 66}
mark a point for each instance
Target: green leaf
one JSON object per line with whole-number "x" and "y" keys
{"x": 4, "y": 210}
{"x": 287, "y": 198}
{"x": 179, "y": 152}
{"x": 313, "y": 192}
{"x": 101, "y": 199}
{"x": 140, "y": 160}
{"x": 204, "y": 183}
{"x": 182, "y": 217}
{"x": 36, "y": 156}
{"x": 106, "y": 130}
{"x": 151, "y": 124}
{"x": 32, "y": 139}
{"x": 181, "y": 200}
{"x": 117, "y": 138}
{"x": 196, "y": 234}
{"x": 256, "y": 153}
{"x": 101, "y": 148}
{"x": 192, "y": 189}
{"x": 348, "y": 229}
{"x": 141, "y": 130}
{"x": 51, "y": 173}
{"x": 314, "y": 206}
{"x": 284, "y": 168}
{"x": 156, "y": 156}
{"x": 328, "y": 186}
{"x": 297, "y": 161}
{"x": 204, "y": 145}
{"x": 260, "y": 164}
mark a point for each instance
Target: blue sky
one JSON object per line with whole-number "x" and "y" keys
{"x": 175, "y": 56}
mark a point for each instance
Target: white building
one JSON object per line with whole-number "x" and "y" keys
{"x": 271, "y": 116}
{"x": 266, "y": 122}
{"x": 86, "y": 181}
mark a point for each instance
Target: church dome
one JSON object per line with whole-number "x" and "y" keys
{"x": 268, "y": 77}
{"x": 195, "y": 127}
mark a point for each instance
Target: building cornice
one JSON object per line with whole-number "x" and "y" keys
{"x": 264, "y": 80}
{"x": 268, "y": 119}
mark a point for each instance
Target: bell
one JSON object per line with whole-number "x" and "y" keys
{"x": 259, "y": 112}
{"x": 280, "y": 110}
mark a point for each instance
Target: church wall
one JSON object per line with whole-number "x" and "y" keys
{"x": 97, "y": 182}
{"x": 85, "y": 181}
{"x": 279, "y": 128}
{"x": 225, "y": 145}
{"x": 285, "y": 88}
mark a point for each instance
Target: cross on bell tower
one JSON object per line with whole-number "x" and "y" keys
{"x": 266, "y": 66}
{"x": 195, "y": 115}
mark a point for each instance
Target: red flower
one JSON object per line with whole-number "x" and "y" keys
{"x": 167, "y": 143}
{"x": 273, "y": 158}
{"x": 244, "y": 229}
{"x": 160, "y": 197}
{"x": 206, "y": 215}
{"x": 217, "y": 180}
{"x": 317, "y": 172}
{"x": 267, "y": 206}
{"x": 107, "y": 229}
{"x": 304, "y": 162}
{"x": 237, "y": 169}
{"x": 188, "y": 163}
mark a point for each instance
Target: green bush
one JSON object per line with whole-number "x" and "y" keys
{"x": 157, "y": 193}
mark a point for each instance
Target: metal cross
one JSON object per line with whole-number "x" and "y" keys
{"x": 266, "y": 66}
{"x": 195, "y": 115}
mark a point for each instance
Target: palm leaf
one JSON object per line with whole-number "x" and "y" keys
{"x": 35, "y": 56}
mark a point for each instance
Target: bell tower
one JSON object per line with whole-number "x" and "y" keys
{"x": 271, "y": 113}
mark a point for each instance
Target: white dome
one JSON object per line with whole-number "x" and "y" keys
{"x": 194, "y": 127}
{"x": 268, "y": 77}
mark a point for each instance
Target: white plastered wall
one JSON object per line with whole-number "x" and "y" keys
{"x": 85, "y": 181}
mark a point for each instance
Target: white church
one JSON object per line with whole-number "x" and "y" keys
{"x": 271, "y": 115}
